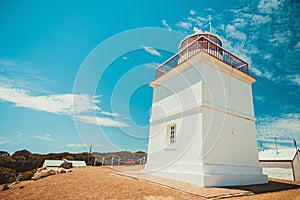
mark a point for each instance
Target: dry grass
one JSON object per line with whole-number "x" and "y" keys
{"x": 99, "y": 183}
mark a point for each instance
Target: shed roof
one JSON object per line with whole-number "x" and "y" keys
{"x": 53, "y": 163}
{"x": 78, "y": 163}
{"x": 57, "y": 163}
{"x": 282, "y": 155}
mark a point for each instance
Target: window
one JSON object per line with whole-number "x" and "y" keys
{"x": 172, "y": 134}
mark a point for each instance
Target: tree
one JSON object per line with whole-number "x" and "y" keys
{"x": 4, "y": 153}
{"x": 7, "y": 175}
{"x": 69, "y": 157}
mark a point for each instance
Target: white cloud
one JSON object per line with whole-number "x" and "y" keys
{"x": 280, "y": 38}
{"x": 239, "y": 22}
{"x": 151, "y": 50}
{"x": 256, "y": 71}
{"x": 66, "y": 104}
{"x": 196, "y": 20}
{"x": 4, "y": 141}
{"x": 55, "y": 103}
{"x": 295, "y": 79}
{"x": 233, "y": 33}
{"x": 297, "y": 46}
{"x": 255, "y": 19}
{"x": 285, "y": 127}
{"x": 184, "y": 25}
{"x": 260, "y": 98}
{"x": 110, "y": 114}
{"x": 164, "y": 22}
{"x": 100, "y": 121}
{"x": 192, "y": 12}
{"x": 76, "y": 145}
{"x": 268, "y": 75}
{"x": 46, "y": 137}
{"x": 267, "y": 56}
{"x": 82, "y": 145}
{"x": 268, "y": 6}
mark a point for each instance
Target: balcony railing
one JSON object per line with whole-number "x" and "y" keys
{"x": 206, "y": 45}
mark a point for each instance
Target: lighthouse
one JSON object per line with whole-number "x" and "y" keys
{"x": 202, "y": 124}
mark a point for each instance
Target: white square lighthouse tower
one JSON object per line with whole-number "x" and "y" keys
{"x": 202, "y": 125}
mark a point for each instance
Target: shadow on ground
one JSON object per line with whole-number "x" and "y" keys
{"x": 272, "y": 186}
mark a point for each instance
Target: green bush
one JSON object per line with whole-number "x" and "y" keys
{"x": 7, "y": 175}
{"x": 27, "y": 175}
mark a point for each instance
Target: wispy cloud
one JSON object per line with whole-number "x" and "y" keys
{"x": 268, "y": 6}
{"x": 56, "y": 103}
{"x": 184, "y": 25}
{"x": 164, "y": 22}
{"x": 100, "y": 121}
{"x": 232, "y": 32}
{"x": 295, "y": 79}
{"x": 82, "y": 145}
{"x": 267, "y": 56}
{"x": 4, "y": 141}
{"x": 66, "y": 104}
{"x": 285, "y": 127}
{"x": 110, "y": 114}
{"x": 280, "y": 38}
{"x": 46, "y": 137}
{"x": 192, "y": 12}
{"x": 256, "y": 19}
{"x": 76, "y": 145}
{"x": 14, "y": 73}
{"x": 151, "y": 50}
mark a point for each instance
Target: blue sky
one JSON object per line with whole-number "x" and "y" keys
{"x": 46, "y": 63}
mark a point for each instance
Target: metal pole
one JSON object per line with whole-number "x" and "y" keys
{"x": 295, "y": 143}
{"x": 276, "y": 146}
{"x": 112, "y": 161}
{"x": 102, "y": 161}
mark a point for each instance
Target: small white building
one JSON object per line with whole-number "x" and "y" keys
{"x": 202, "y": 125}
{"x": 55, "y": 164}
{"x": 282, "y": 164}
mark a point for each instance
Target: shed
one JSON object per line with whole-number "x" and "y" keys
{"x": 57, "y": 163}
{"x": 281, "y": 163}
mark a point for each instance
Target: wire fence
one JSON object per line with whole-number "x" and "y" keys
{"x": 117, "y": 161}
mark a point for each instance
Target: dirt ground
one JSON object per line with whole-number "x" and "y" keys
{"x": 99, "y": 183}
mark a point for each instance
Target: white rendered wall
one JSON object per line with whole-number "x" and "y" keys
{"x": 296, "y": 166}
{"x": 212, "y": 107}
{"x": 281, "y": 173}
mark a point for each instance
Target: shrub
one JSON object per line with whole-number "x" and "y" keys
{"x": 66, "y": 165}
{"x": 5, "y": 187}
{"x": 27, "y": 175}
{"x": 7, "y": 175}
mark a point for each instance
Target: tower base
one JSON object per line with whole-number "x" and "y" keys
{"x": 212, "y": 175}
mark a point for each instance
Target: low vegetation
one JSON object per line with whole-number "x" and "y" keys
{"x": 7, "y": 175}
{"x": 22, "y": 164}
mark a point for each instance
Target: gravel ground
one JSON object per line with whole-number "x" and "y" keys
{"x": 99, "y": 183}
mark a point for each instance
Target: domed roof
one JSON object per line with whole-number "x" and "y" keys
{"x": 198, "y": 32}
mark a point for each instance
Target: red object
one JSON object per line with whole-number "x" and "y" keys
{"x": 129, "y": 162}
